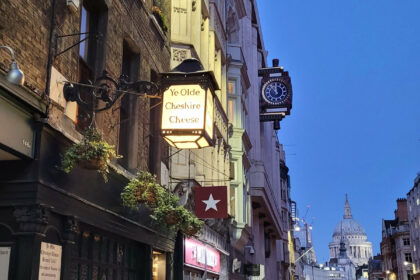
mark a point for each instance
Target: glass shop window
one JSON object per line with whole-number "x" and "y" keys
{"x": 96, "y": 256}
{"x": 159, "y": 266}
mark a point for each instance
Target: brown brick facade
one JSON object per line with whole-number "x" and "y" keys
{"x": 24, "y": 26}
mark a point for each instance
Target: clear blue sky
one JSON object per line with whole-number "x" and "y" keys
{"x": 355, "y": 122}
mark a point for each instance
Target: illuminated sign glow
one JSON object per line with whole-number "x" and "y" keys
{"x": 187, "y": 116}
{"x": 201, "y": 256}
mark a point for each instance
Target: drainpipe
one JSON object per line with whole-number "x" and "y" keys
{"x": 50, "y": 60}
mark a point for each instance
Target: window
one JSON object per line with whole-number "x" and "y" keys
{"x": 231, "y": 110}
{"x": 232, "y": 201}
{"x": 128, "y": 109}
{"x": 267, "y": 245}
{"x": 93, "y": 19}
{"x": 84, "y": 27}
{"x": 408, "y": 257}
{"x": 231, "y": 87}
{"x": 159, "y": 266}
{"x": 406, "y": 241}
{"x": 97, "y": 256}
{"x": 418, "y": 201}
{"x": 245, "y": 203}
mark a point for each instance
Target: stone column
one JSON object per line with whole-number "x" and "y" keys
{"x": 32, "y": 221}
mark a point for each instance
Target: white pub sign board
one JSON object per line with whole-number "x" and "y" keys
{"x": 184, "y": 107}
{"x": 50, "y": 262}
{"x": 4, "y": 262}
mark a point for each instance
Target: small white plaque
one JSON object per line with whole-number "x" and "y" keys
{"x": 4, "y": 262}
{"x": 50, "y": 262}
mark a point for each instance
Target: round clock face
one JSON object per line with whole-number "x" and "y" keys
{"x": 275, "y": 92}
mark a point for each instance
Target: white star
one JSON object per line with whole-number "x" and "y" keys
{"x": 211, "y": 203}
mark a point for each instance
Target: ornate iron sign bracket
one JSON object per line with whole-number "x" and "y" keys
{"x": 103, "y": 94}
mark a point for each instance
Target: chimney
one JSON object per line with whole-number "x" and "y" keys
{"x": 401, "y": 212}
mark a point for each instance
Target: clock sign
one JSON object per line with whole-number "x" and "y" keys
{"x": 275, "y": 92}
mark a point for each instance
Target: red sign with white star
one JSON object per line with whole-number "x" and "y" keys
{"x": 211, "y": 202}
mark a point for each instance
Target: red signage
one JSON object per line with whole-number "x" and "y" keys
{"x": 201, "y": 256}
{"x": 211, "y": 202}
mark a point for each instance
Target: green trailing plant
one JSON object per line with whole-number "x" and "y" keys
{"x": 160, "y": 18}
{"x": 143, "y": 189}
{"x": 91, "y": 153}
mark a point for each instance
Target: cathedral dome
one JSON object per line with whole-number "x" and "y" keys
{"x": 349, "y": 238}
{"x": 349, "y": 226}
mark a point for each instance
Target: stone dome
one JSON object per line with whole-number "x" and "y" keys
{"x": 350, "y": 238}
{"x": 350, "y": 227}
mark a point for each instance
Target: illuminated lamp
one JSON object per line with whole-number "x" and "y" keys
{"x": 188, "y": 105}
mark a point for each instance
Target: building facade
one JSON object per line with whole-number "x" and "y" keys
{"x": 198, "y": 30}
{"x": 413, "y": 202}
{"x": 76, "y": 220}
{"x": 396, "y": 244}
{"x": 358, "y": 248}
{"x": 375, "y": 268}
{"x": 78, "y": 217}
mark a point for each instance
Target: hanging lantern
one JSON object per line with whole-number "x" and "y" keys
{"x": 188, "y": 105}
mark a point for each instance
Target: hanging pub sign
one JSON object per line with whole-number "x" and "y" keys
{"x": 188, "y": 106}
{"x": 211, "y": 202}
{"x": 276, "y": 93}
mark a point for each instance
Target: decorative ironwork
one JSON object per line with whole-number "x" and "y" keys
{"x": 108, "y": 91}
{"x": 98, "y": 36}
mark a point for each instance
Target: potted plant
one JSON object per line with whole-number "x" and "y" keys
{"x": 164, "y": 205}
{"x": 190, "y": 224}
{"x": 160, "y": 18}
{"x": 91, "y": 153}
{"x": 142, "y": 189}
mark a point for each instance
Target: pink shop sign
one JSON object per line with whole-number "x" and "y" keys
{"x": 200, "y": 255}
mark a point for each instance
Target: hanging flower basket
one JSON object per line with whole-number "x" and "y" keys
{"x": 160, "y": 18}
{"x": 91, "y": 153}
{"x": 93, "y": 164}
{"x": 191, "y": 231}
{"x": 171, "y": 219}
{"x": 143, "y": 189}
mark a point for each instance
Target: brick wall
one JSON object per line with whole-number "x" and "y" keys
{"x": 24, "y": 26}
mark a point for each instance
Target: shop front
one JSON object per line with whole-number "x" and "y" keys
{"x": 202, "y": 261}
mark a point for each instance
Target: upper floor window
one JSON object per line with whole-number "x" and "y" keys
{"x": 84, "y": 27}
{"x": 406, "y": 241}
{"x": 130, "y": 68}
{"x": 93, "y": 20}
{"x": 234, "y": 103}
{"x": 408, "y": 257}
{"x": 231, "y": 87}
